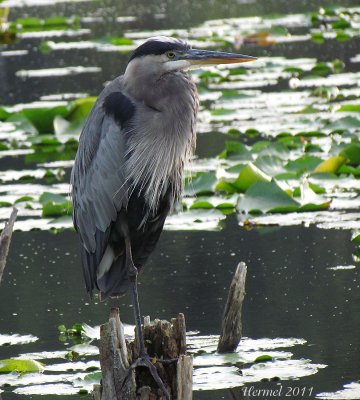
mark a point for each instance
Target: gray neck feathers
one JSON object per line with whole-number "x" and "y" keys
{"x": 162, "y": 137}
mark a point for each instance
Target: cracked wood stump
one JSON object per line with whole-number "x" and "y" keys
{"x": 163, "y": 341}
{"x": 231, "y": 328}
{"x": 5, "y": 240}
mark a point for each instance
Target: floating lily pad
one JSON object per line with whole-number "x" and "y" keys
{"x": 220, "y": 371}
{"x": 65, "y": 129}
{"x": 330, "y": 165}
{"x": 54, "y": 205}
{"x": 271, "y": 165}
{"x": 221, "y": 203}
{"x": 349, "y": 108}
{"x": 350, "y": 391}
{"x": 52, "y": 197}
{"x": 20, "y": 366}
{"x": 89, "y": 381}
{"x": 202, "y": 183}
{"x": 42, "y": 118}
{"x": 222, "y": 111}
{"x": 248, "y": 176}
{"x": 22, "y": 123}
{"x": 344, "y": 123}
{"x": 352, "y": 153}
{"x": 263, "y": 358}
{"x": 48, "y": 389}
{"x": 236, "y": 151}
{"x": 51, "y": 209}
{"x": 266, "y": 197}
{"x": 7, "y": 340}
{"x": 5, "y": 204}
{"x": 23, "y": 199}
{"x": 303, "y": 164}
{"x": 195, "y": 220}
{"x": 80, "y": 109}
{"x": 356, "y": 237}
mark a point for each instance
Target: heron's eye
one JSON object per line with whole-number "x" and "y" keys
{"x": 170, "y": 55}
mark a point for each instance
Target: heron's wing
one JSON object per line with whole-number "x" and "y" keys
{"x": 99, "y": 187}
{"x": 115, "y": 282}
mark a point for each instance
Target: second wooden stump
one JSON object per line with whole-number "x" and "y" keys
{"x": 231, "y": 328}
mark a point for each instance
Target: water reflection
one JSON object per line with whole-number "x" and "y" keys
{"x": 295, "y": 287}
{"x": 291, "y": 292}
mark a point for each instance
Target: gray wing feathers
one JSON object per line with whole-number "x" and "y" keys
{"x": 99, "y": 188}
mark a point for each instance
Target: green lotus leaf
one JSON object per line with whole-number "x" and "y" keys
{"x": 20, "y": 366}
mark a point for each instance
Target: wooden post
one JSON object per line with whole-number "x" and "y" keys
{"x": 114, "y": 361}
{"x": 184, "y": 377}
{"x": 231, "y": 328}
{"x": 165, "y": 343}
{"x": 5, "y": 240}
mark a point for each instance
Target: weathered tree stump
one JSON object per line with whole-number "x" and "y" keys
{"x": 114, "y": 361}
{"x": 165, "y": 343}
{"x": 231, "y": 328}
{"x": 5, "y": 240}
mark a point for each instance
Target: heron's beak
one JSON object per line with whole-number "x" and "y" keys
{"x": 205, "y": 57}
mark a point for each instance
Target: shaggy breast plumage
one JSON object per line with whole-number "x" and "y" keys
{"x": 164, "y": 140}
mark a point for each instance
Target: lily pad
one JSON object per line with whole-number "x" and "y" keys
{"x": 356, "y": 237}
{"x": 42, "y": 118}
{"x": 203, "y": 183}
{"x": 64, "y": 129}
{"x": 53, "y": 210}
{"x": 306, "y": 163}
{"x": 22, "y": 123}
{"x": 350, "y": 391}
{"x": 331, "y": 165}
{"x": 249, "y": 175}
{"x": 221, "y": 203}
{"x": 352, "y": 153}
{"x": 271, "y": 165}
{"x": 349, "y": 108}
{"x": 263, "y": 197}
{"x": 80, "y": 109}
{"x": 52, "y": 197}
{"x": 7, "y": 340}
{"x": 20, "y": 366}
{"x": 263, "y": 358}
{"x": 348, "y": 122}
{"x": 88, "y": 381}
{"x": 195, "y": 220}
{"x": 236, "y": 151}
{"x": 222, "y": 111}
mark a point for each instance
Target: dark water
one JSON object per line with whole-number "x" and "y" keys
{"x": 290, "y": 290}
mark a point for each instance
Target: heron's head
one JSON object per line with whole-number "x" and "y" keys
{"x": 159, "y": 55}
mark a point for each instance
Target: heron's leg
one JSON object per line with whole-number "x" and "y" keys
{"x": 144, "y": 359}
{"x": 132, "y": 273}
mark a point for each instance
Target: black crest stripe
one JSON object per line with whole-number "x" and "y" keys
{"x": 158, "y": 47}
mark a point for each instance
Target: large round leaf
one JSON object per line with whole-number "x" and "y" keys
{"x": 266, "y": 197}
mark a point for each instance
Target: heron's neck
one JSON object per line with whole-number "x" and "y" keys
{"x": 140, "y": 82}
{"x": 163, "y": 138}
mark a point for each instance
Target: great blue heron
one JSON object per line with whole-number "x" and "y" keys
{"x": 128, "y": 170}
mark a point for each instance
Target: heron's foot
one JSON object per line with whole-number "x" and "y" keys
{"x": 145, "y": 361}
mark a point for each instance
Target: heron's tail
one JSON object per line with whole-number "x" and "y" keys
{"x": 112, "y": 280}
